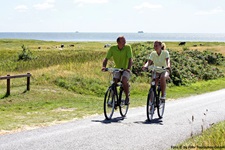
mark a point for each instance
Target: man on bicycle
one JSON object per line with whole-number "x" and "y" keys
{"x": 160, "y": 58}
{"x": 122, "y": 56}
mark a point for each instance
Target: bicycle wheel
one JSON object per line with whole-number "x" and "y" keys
{"x": 150, "y": 105}
{"x": 109, "y": 103}
{"x": 122, "y": 106}
{"x": 160, "y": 106}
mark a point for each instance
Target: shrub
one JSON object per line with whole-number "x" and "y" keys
{"x": 26, "y": 54}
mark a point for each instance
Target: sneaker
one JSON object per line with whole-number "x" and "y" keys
{"x": 162, "y": 99}
{"x": 127, "y": 101}
{"x": 110, "y": 104}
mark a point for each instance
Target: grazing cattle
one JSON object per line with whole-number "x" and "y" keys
{"x": 195, "y": 45}
{"x": 62, "y": 45}
{"x": 39, "y": 47}
{"x": 182, "y": 43}
{"x": 71, "y": 45}
{"x": 107, "y": 45}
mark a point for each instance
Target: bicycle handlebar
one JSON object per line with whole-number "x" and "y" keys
{"x": 154, "y": 68}
{"x": 113, "y": 69}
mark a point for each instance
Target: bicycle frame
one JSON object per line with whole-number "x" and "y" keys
{"x": 154, "y": 86}
{"x": 115, "y": 90}
{"x": 117, "y": 98}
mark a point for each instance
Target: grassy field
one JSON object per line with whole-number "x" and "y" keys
{"x": 67, "y": 83}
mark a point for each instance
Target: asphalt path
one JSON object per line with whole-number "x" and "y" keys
{"x": 183, "y": 118}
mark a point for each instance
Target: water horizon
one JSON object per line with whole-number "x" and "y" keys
{"x": 111, "y": 36}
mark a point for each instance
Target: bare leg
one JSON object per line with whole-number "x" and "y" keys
{"x": 125, "y": 86}
{"x": 163, "y": 78}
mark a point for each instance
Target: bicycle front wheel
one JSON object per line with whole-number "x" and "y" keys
{"x": 150, "y": 105}
{"x": 109, "y": 103}
{"x": 122, "y": 106}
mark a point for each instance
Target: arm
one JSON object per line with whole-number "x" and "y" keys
{"x": 168, "y": 62}
{"x": 104, "y": 63}
{"x": 168, "y": 65}
{"x": 148, "y": 63}
{"x": 130, "y": 62}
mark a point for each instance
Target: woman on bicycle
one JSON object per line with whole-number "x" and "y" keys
{"x": 160, "y": 58}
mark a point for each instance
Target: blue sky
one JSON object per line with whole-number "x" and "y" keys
{"x": 157, "y": 16}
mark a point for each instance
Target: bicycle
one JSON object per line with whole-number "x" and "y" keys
{"x": 112, "y": 99}
{"x": 153, "y": 100}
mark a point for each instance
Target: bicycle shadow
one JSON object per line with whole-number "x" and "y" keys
{"x": 157, "y": 121}
{"x": 113, "y": 120}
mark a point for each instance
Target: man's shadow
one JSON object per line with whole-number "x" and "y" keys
{"x": 113, "y": 120}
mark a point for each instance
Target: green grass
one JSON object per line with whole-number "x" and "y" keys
{"x": 68, "y": 84}
{"x": 196, "y": 88}
{"x": 212, "y": 138}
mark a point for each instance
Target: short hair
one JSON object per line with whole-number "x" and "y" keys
{"x": 120, "y": 37}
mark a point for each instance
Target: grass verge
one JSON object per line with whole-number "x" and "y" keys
{"x": 212, "y": 138}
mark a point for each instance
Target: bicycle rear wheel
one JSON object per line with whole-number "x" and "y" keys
{"x": 122, "y": 106}
{"x": 109, "y": 103}
{"x": 160, "y": 106}
{"x": 150, "y": 105}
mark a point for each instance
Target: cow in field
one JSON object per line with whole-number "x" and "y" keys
{"x": 107, "y": 45}
{"x": 182, "y": 43}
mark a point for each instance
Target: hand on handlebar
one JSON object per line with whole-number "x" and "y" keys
{"x": 103, "y": 69}
{"x": 144, "y": 68}
{"x": 128, "y": 70}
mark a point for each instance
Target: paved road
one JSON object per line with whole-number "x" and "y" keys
{"x": 133, "y": 132}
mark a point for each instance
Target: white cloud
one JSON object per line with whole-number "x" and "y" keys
{"x": 48, "y": 4}
{"x": 82, "y": 2}
{"x": 21, "y": 8}
{"x": 147, "y": 5}
{"x": 215, "y": 11}
{"x": 91, "y": 1}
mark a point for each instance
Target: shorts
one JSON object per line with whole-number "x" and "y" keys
{"x": 120, "y": 75}
{"x": 165, "y": 73}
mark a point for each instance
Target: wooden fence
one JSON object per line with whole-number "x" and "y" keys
{"x": 8, "y": 77}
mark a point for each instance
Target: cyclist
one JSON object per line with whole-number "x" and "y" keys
{"x": 160, "y": 58}
{"x": 122, "y": 56}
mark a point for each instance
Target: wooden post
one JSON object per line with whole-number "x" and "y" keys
{"x": 8, "y": 85}
{"x": 28, "y": 81}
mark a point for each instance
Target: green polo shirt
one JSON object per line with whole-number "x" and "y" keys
{"x": 120, "y": 57}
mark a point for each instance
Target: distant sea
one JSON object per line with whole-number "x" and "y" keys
{"x": 95, "y": 36}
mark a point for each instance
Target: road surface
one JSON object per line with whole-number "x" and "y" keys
{"x": 133, "y": 132}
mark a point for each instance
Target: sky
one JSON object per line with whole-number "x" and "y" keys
{"x": 151, "y": 16}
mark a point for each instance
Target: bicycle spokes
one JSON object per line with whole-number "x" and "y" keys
{"x": 109, "y": 103}
{"x": 150, "y": 105}
{"x": 122, "y": 106}
{"x": 161, "y": 107}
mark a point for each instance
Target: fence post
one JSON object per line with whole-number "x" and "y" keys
{"x": 8, "y": 85}
{"x": 28, "y": 81}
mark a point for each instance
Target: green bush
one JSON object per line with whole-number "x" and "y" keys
{"x": 26, "y": 54}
